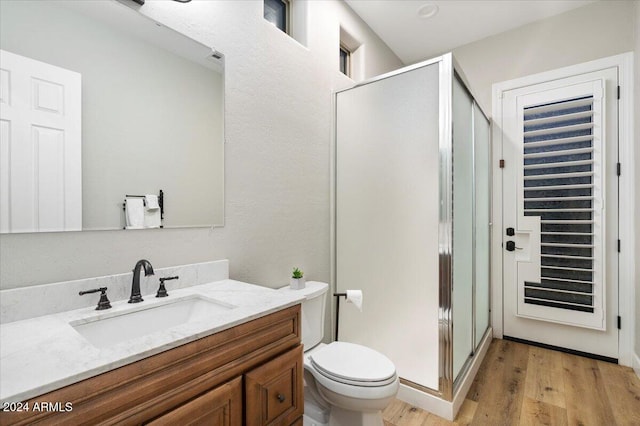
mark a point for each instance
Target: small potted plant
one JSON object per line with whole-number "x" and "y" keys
{"x": 297, "y": 279}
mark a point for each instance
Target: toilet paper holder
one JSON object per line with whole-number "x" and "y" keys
{"x": 353, "y": 296}
{"x": 338, "y": 296}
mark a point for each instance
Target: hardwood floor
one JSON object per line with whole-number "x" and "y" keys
{"x": 524, "y": 385}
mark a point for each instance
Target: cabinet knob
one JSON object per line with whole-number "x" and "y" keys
{"x": 281, "y": 397}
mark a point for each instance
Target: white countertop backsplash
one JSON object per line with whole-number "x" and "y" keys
{"x": 44, "y": 353}
{"x": 38, "y": 300}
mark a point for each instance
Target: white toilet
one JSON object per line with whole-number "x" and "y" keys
{"x": 345, "y": 384}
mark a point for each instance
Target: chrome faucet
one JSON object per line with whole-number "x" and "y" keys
{"x": 136, "y": 297}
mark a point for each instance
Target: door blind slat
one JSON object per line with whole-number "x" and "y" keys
{"x": 553, "y": 290}
{"x": 567, "y": 305}
{"x": 566, "y": 269}
{"x": 558, "y": 118}
{"x": 567, "y": 233}
{"x": 559, "y": 176}
{"x": 559, "y": 141}
{"x": 589, "y": 197}
{"x": 571, "y": 151}
{"x": 568, "y": 222}
{"x": 554, "y": 187}
{"x": 541, "y": 109}
{"x": 560, "y": 256}
{"x": 565, "y": 245}
{"x": 559, "y": 164}
{"x": 567, "y": 280}
{"x": 564, "y": 129}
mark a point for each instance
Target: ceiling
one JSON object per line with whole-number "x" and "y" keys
{"x": 458, "y": 22}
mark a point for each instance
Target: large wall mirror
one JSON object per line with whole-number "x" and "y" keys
{"x": 100, "y": 103}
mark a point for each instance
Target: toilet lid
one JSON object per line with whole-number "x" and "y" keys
{"x": 348, "y": 362}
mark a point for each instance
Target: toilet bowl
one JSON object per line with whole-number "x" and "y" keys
{"x": 356, "y": 382}
{"x": 346, "y": 383}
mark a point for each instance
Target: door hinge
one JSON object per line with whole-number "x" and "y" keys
{"x": 618, "y": 92}
{"x": 619, "y": 322}
{"x": 619, "y": 246}
{"x": 619, "y": 169}
{"x": 502, "y": 164}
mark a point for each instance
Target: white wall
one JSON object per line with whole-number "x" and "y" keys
{"x": 598, "y": 30}
{"x": 278, "y": 131}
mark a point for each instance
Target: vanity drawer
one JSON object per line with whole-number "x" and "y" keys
{"x": 274, "y": 391}
{"x": 221, "y": 406}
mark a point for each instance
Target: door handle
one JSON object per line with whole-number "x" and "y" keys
{"x": 511, "y": 246}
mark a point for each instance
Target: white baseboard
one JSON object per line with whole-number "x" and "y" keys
{"x": 426, "y": 401}
{"x": 636, "y": 364}
{"x": 438, "y": 406}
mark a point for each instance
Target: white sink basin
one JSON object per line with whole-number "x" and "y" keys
{"x": 123, "y": 326}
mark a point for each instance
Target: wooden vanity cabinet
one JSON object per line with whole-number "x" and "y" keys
{"x": 250, "y": 374}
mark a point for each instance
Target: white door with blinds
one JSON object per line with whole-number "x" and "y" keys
{"x": 560, "y": 195}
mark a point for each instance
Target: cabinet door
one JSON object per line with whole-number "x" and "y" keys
{"x": 221, "y": 406}
{"x": 274, "y": 391}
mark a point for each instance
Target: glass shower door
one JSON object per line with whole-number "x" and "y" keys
{"x": 482, "y": 179}
{"x": 463, "y": 220}
{"x": 471, "y": 216}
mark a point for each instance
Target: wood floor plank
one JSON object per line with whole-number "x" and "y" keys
{"x": 623, "y": 391}
{"x": 538, "y": 413}
{"x": 433, "y": 420}
{"x": 595, "y": 393}
{"x": 392, "y": 413}
{"x": 399, "y": 413}
{"x": 545, "y": 381}
{"x": 412, "y": 416}
{"x": 487, "y": 370}
{"x": 500, "y": 399}
{"x": 585, "y": 394}
{"x": 545, "y": 359}
{"x": 466, "y": 413}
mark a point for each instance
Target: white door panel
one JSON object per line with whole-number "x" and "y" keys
{"x": 5, "y": 134}
{"x": 560, "y": 272}
{"x": 40, "y": 168}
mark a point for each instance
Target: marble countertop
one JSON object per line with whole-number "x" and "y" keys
{"x": 39, "y": 355}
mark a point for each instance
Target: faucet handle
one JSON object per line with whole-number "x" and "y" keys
{"x": 162, "y": 291}
{"x": 104, "y": 301}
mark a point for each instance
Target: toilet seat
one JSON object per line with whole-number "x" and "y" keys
{"x": 354, "y": 365}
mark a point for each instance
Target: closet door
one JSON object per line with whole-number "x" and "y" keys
{"x": 387, "y": 199}
{"x": 40, "y": 146}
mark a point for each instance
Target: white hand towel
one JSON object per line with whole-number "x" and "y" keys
{"x": 152, "y": 218}
{"x": 355, "y": 297}
{"x": 152, "y": 201}
{"x": 134, "y": 209}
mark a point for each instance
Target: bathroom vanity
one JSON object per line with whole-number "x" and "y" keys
{"x": 201, "y": 381}
{"x": 240, "y": 363}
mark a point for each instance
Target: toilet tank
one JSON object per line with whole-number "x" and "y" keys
{"x": 312, "y": 327}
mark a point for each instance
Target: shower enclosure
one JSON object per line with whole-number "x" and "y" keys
{"x": 411, "y": 225}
